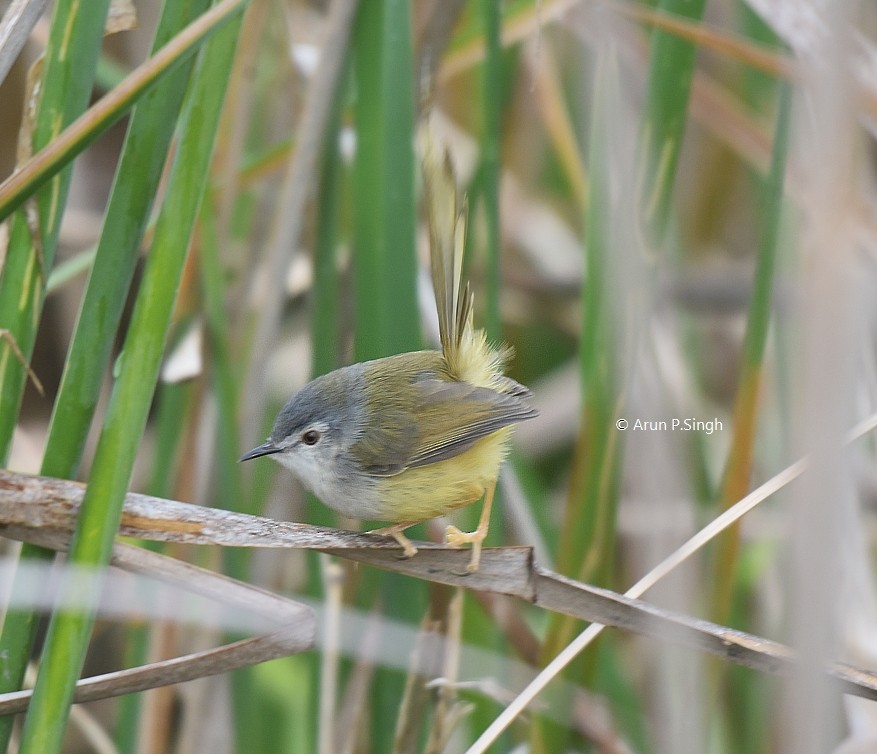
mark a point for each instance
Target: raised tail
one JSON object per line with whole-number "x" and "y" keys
{"x": 446, "y": 215}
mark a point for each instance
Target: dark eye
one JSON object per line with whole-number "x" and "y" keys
{"x": 311, "y": 437}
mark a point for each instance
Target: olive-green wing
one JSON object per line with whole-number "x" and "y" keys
{"x": 462, "y": 414}
{"x": 510, "y": 387}
{"x": 452, "y": 416}
{"x": 385, "y": 448}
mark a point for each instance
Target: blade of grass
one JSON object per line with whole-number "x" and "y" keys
{"x": 68, "y": 70}
{"x": 137, "y": 178}
{"x": 325, "y": 314}
{"x": 248, "y": 698}
{"x": 68, "y": 632}
{"x": 69, "y": 269}
{"x": 325, "y": 575}
{"x": 171, "y": 421}
{"x": 749, "y": 723}
{"x": 671, "y": 68}
{"x": 478, "y": 627}
{"x": 224, "y": 379}
{"x": 491, "y": 135}
{"x": 97, "y": 119}
{"x": 385, "y": 262}
{"x": 147, "y": 142}
{"x": 587, "y": 544}
{"x": 738, "y": 470}
{"x": 556, "y": 115}
{"x": 385, "y": 267}
{"x": 284, "y": 241}
{"x": 18, "y": 21}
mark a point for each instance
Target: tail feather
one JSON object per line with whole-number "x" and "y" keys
{"x": 467, "y": 353}
{"x": 446, "y": 219}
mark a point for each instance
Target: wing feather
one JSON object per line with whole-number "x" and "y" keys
{"x": 486, "y": 411}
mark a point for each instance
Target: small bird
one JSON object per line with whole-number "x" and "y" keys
{"x": 410, "y": 437}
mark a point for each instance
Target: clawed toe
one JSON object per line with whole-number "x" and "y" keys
{"x": 456, "y": 538}
{"x": 408, "y": 549}
{"x": 395, "y": 531}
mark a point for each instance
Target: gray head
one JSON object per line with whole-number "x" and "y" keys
{"x": 316, "y": 426}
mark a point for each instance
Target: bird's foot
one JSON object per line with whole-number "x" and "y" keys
{"x": 456, "y": 538}
{"x": 395, "y": 531}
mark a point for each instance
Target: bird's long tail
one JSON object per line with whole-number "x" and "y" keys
{"x": 446, "y": 218}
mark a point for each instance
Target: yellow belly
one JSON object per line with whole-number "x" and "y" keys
{"x": 428, "y": 491}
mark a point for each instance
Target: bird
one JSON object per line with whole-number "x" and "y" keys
{"x": 409, "y": 437}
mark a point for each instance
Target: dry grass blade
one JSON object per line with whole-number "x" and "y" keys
{"x": 18, "y": 21}
{"x": 50, "y": 505}
{"x": 609, "y": 608}
{"x": 87, "y": 126}
{"x": 415, "y": 698}
{"x": 676, "y": 558}
{"x": 9, "y": 338}
{"x": 43, "y": 510}
{"x": 296, "y": 635}
{"x": 353, "y": 708}
{"x": 448, "y": 709}
{"x": 333, "y": 578}
{"x": 529, "y": 24}
{"x": 189, "y": 667}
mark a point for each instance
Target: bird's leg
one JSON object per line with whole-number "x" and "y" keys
{"x": 395, "y": 531}
{"x": 456, "y": 538}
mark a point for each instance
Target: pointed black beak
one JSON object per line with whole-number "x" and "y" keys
{"x": 265, "y": 449}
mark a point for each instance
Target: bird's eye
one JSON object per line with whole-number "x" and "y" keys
{"x": 311, "y": 437}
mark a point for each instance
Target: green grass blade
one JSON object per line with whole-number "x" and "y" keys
{"x": 172, "y": 419}
{"x": 68, "y": 71}
{"x": 326, "y": 303}
{"x": 585, "y": 544}
{"x": 68, "y": 633}
{"x": 491, "y": 137}
{"x": 738, "y": 470}
{"x": 478, "y": 627}
{"x": 671, "y": 68}
{"x": 137, "y": 179}
{"x": 387, "y": 319}
{"x": 385, "y": 279}
{"x": 88, "y": 127}
{"x": 588, "y": 531}
{"x": 325, "y": 314}
{"x": 69, "y": 269}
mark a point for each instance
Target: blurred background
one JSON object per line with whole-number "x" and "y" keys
{"x": 672, "y": 224}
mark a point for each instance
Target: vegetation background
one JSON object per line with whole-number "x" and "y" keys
{"x": 672, "y": 217}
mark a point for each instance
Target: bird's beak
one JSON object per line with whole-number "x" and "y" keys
{"x": 265, "y": 449}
